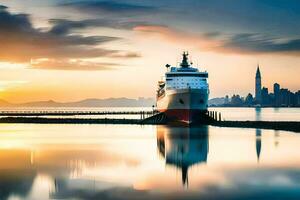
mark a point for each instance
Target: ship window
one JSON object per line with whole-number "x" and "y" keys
{"x": 181, "y": 101}
{"x": 188, "y": 75}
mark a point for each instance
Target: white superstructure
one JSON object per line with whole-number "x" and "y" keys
{"x": 184, "y": 93}
{"x": 179, "y": 79}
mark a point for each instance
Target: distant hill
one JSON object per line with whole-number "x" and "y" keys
{"x": 110, "y": 102}
{"x": 4, "y": 103}
{"x": 216, "y": 101}
{"x": 49, "y": 103}
{"x": 113, "y": 102}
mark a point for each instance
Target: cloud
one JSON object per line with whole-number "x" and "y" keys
{"x": 7, "y": 84}
{"x": 108, "y": 14}
{"x": 245, "y": 43}
{"x": 64, "y": 26}
{"x": 21, "y": 42}
{"x": 3, "y": 7}
{"x": 200, "y": 41}
{"x": 126, "y": 55}
{"x": 278, "y": 17}
{"x": 110, "y": 7}
{"x": 68, "y": 64}
{"x": 262, "y": 44}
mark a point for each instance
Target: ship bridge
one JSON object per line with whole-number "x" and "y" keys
{"x": 185, "y": 76}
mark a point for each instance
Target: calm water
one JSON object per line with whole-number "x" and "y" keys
{"x": 147, "y": 162}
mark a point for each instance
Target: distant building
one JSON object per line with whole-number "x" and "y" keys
{"x": 258, "y": 86}
{"x": 265, "y": 99}
{"x": 249, "y": 101}
{"x": 276, "y": 90}
{"x": 297, "y": 98}
{"x": 236, "y": 100}
{"x": 226, "y": 99}
{"x": 284, "y": 97}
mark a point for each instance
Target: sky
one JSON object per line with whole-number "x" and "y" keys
{"x": 69, "y": 50}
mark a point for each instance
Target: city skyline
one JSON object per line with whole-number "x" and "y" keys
{"x": 73, "y": 50}
{"x": 262, "y": 96}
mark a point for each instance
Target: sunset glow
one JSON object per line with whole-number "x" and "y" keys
{"x": 73, "y": 50}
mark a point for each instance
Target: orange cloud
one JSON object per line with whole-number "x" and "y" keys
{"x": 187, "y": 39}
{"x": 243, "y": 43}
{"x": 21, "y": 42}
{"x": 70, "y": 64}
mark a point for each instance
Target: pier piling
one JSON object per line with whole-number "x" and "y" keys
{"x": 213, "y": 118}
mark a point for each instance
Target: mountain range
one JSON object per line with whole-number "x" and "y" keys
{"x": 109, "y": 102}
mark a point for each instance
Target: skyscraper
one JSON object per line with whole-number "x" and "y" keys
{"x": 265, "y": 98}
{"x": 258, "y": 86}
{"x": 276, "y": 94}
{"x": 276, "y": 88}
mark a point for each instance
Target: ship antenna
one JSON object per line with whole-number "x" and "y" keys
{"x": 185, "y": 62}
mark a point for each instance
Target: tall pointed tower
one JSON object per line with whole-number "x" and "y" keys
{"x": 258, "y": 85}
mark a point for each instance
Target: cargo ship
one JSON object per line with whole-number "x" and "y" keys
{"x": 183, "y": 93}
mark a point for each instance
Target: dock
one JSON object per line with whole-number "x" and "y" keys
{"x": 73, "y": 113}
{"x": 212, "y": 118}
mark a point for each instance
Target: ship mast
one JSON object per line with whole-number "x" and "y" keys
{"x": 184, "y": 62}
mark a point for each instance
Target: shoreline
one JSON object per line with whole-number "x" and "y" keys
{"x": 293, "y": 126}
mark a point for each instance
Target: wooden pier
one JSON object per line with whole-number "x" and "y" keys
{"x": 145, "y": 117}
{"x": 74, "y": 113}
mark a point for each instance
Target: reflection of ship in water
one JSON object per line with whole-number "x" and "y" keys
{"x": 183, "y": 147}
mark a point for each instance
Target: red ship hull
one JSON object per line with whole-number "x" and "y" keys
{"x": 184, "y": 115}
